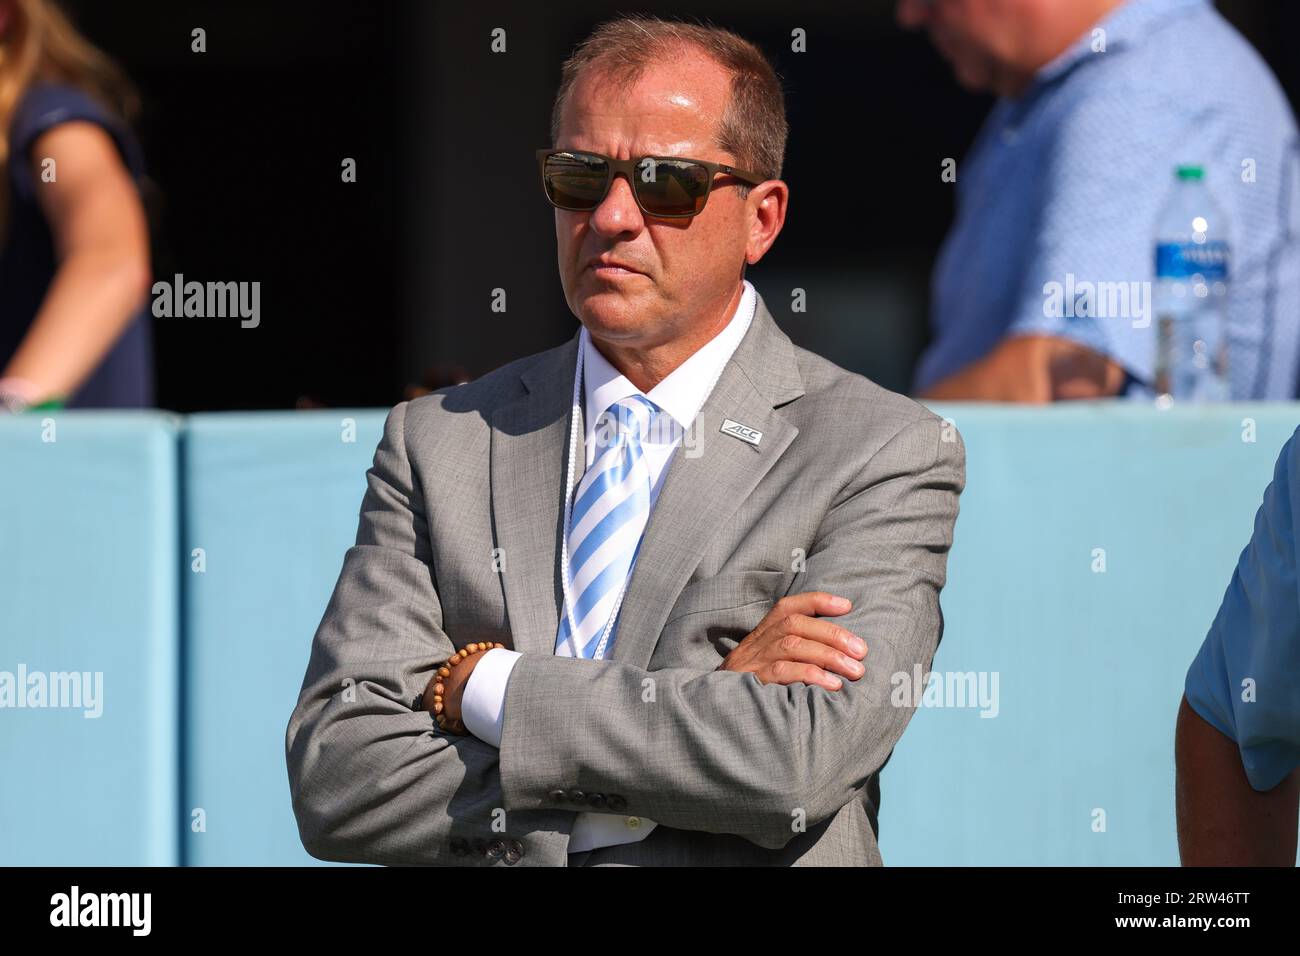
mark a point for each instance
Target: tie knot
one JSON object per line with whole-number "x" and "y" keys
{"x": 630, "y": 417}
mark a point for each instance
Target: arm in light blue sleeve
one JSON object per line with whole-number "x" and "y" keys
{"x": 1110, "y": 170}
{"x": 1245, "y": 681}
{"x": 482, "y": 707}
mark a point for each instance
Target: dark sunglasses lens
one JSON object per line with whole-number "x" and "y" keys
{"x": 575, "y": 180}
{"x": 671, "y": 187}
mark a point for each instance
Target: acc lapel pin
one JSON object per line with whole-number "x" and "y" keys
{"x": 743, "y": 432}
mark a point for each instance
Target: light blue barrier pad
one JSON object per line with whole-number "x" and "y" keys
{"x": 89, "y": 637}
{"x": 272, "y": 500}
{"x": 1094, "y": 545}
{"x": 1077, "y": 766}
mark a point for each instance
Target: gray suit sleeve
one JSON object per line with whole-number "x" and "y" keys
{"x": 372, "y": 779}
{"x": 723, "y": 753}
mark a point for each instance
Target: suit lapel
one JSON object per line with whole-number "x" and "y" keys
{"x": 529, "y": 449}
{"x": 705, "y": 484}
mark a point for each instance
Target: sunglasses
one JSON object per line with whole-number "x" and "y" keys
{"x": 667, "y": 187}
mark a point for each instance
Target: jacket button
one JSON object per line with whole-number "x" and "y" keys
{"x": 514, "y": 852}
{"x": 496, "y": 849}
{"x": 617, "y": 801}
{"x": 577, "y": 796}
{"x": 459, "y": 846}
{"x": 596, "y": 799}
{"x": 558, "y": 796}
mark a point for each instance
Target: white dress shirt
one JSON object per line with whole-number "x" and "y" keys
{"x": 680, "y": 397}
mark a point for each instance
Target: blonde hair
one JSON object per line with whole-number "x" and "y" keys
{"x": 41, "y": 44}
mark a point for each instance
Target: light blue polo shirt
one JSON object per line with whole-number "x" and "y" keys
{"x": 1246, "y": 679}
{"x": 1068, "y": 179}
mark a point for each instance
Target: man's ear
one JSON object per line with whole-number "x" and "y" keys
{"x": 767, "y": 204}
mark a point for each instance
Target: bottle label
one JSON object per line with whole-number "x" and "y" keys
{"x": 1182, "y": 260}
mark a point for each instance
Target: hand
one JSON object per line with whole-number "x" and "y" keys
{"x": 1076, "y": 372}
{"x": 789, "y": 645}
{"x": 17, "y": 394}
{"x": 453, "y": 689}
{"x": 1032, "y": 369}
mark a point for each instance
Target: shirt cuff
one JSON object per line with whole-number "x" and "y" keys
{"x": 591, "y": 831}
{"x": 482, "y": 707}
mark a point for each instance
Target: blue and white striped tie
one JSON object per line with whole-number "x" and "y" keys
{"x": 610, "y": 510}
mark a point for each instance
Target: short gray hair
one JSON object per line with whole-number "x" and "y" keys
{"x": 753, "y": 126}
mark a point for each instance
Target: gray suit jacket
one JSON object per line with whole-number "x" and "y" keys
{"x": 851, "y": 489}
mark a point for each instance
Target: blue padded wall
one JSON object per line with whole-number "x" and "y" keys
{"x": 272, "y": 499}
{"x": 98, "y": 574}
{"x": 88, "y": 584}
{"x": 1091, "y": 663}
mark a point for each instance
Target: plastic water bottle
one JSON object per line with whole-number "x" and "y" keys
{"x": 1191, "y": 295}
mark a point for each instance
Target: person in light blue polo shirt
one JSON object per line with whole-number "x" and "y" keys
{"x": 1100, "y": 101}
{"x": 1238, "y": 737}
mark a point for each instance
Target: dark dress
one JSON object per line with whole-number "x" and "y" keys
{"x": 125, "y": 376}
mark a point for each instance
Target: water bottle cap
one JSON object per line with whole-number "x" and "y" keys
{"x": 1190, "y": 172}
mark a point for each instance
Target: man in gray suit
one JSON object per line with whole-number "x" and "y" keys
{"x": 662, "y": 547}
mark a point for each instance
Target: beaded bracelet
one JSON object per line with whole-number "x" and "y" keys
{"x": 444, "y": 671}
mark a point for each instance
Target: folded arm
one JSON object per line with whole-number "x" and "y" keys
{"x": 373, "y": 780}
{"x": 721, "y": 752}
